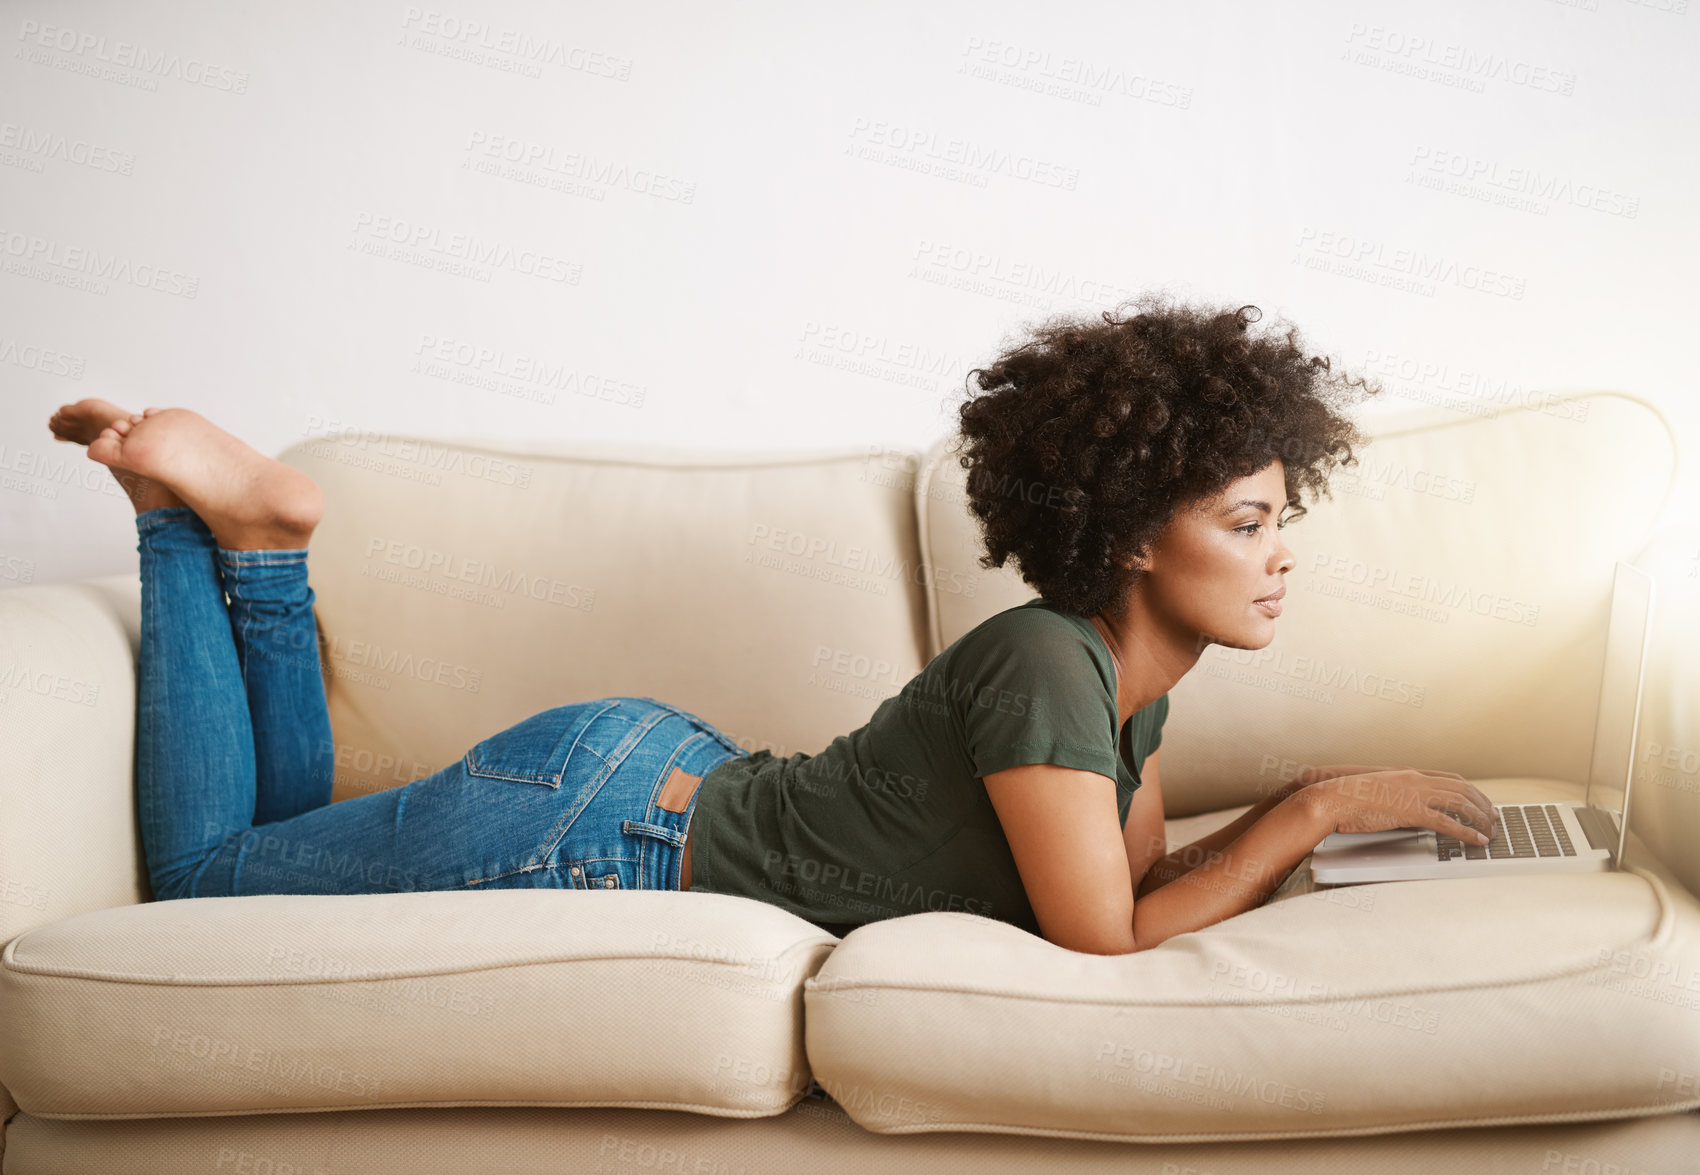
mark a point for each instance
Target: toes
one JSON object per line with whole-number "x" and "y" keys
{"x": 149, "y": 411}
{"x": 121, "y": 427}
{"x": 135, "y": 418}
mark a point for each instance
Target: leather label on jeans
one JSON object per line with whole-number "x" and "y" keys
{"x": 677, "y": 791}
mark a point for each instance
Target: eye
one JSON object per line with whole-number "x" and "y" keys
{"x": 1249, "y": 528}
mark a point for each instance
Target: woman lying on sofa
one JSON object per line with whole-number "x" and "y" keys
{"x": 1136, "y": 467}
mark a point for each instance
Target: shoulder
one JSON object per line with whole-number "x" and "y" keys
{"x": 1038, "y": 647}
{"x": 1034, "y": 624}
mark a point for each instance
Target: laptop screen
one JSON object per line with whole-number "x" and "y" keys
{"x": 1622, "y": 672}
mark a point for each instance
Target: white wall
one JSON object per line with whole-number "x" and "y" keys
{"x": 748, "y": 214}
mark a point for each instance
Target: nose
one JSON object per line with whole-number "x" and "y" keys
{"x": 1284, "y": 558}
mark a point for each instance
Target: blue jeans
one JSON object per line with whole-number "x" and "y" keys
{"x": 234, "y": 759}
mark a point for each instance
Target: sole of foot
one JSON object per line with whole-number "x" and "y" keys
{"x": 249, "y": 501}
{"x": 83, "y": 422}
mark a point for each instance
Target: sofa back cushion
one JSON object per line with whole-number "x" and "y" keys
{"x": 1448, "y": 608}
{"x": 461, "y": 589}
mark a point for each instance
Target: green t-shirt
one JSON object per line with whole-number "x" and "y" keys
{"x": 894, "y": 818}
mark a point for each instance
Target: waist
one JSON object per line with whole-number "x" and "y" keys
{"x": 676, "y": 795}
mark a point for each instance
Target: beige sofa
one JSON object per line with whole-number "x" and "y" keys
{"x": 1447, "y": 610}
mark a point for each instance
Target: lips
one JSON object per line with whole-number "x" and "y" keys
{"x": 1271, "y": 604}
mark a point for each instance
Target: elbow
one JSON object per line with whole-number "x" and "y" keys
{"x": 1102, "y": 945}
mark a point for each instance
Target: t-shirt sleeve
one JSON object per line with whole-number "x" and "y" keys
{"x": 1029, "y": 690}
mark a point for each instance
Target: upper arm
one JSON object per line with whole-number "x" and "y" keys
{"x": 1143, "y": 836}
{"x": 1062, "y": 825}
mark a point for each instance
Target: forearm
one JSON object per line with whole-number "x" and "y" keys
{"x": 1240, "y": 877}
{"x": 1189, "y": 857}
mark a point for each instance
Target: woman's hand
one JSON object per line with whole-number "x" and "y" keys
{"x": 1375, "y": 799}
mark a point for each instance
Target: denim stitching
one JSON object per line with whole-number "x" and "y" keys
{"x": 490, "y": 773}
{"x": 627, "y": 826}
{"x": 258, "y": 559}
{"x": 632, "y": 738}
{"x": 550, "y": 867}
{"x": 555, "y": 835}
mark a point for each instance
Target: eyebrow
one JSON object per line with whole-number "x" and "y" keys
{"x": 1263, "y": 506}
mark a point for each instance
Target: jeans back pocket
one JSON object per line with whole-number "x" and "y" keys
{"x": 532, "y": 751}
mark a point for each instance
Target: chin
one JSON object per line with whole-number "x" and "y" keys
{"x": 1259, "y": 637}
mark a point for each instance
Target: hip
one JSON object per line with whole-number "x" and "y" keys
{"x": 624, "y": 772}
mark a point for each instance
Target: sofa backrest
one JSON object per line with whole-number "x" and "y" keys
{"x": 1447, "y": 610}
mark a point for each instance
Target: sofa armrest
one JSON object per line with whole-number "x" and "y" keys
{"x": 69, "y": 841}
{"x": 1666, "y": 781}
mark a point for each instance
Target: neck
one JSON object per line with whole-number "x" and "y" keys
{"x": 1149, "y": 657}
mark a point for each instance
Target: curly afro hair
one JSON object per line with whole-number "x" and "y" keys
{"x": 1089, "y": 436}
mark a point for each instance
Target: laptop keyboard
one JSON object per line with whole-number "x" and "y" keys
{"x": 1525, "y": 830}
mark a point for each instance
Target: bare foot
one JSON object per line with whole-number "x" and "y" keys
{"x": 81, "y": 422}
{"x": 84, "y": 421}
{"x": 249, "y": 501}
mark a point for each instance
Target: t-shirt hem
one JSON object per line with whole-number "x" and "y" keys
{"x": 701, "y": 831}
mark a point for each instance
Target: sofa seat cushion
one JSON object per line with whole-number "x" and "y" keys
{"x": 683, "y": 1001}
{"x": 1459, "y": 1002}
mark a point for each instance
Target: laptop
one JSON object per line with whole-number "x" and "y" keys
{"x": 1562, "y": 837}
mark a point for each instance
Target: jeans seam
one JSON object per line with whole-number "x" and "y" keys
{"x": 260, "y": 559}
{"x": 632, "y": 738}
{"x": 551, "y": 866}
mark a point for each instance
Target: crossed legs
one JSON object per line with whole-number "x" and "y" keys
{"x": 232, "y": 730}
